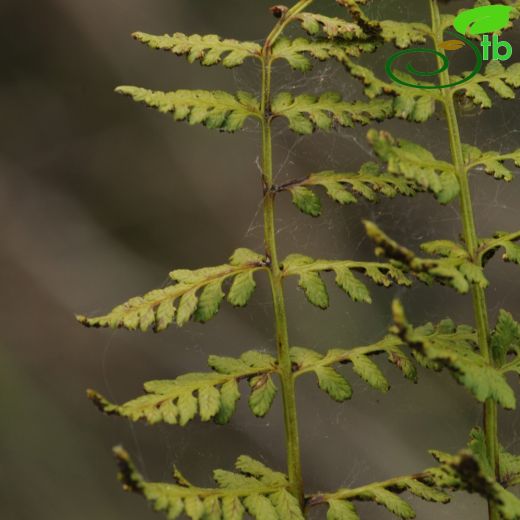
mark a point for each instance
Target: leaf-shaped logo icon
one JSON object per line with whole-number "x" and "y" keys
{"x": 485, "y": 19}
{"x": 452, "y": 45}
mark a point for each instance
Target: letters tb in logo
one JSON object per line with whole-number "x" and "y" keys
{"x": 497, "y": 46}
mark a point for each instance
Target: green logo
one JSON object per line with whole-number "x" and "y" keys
{"x": 481, "y": 20}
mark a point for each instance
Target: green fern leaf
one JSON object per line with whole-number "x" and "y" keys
{"x": 484, "y": 382}
{"x": 392, "y": 502}
{"x": 286, "y": 505}
{"x": 356, "y": 289}
{"x": 341, "y": 510}
{"x": 187, "y": 306}
{"x": 306, "y": 201}
{"x": 505, "y": 338}
{"x": 474, "y": 479}
{"x": 369, "y": 26}
{"x": 217, "y": 110}
{"x": 209, "y": 402}
{"x": 365, "y": 368}
{"x": 457, "y": 350}
{"x": 257, "y": 367}
{"x": 455, "y": 270}
{"x": 242, "y": 256}
{"x": 208, "y": 50}
{"x": 512, "y": 252}
{"x": 264, "y": 495}
{"x": 308, "y": 271}
{"x": 491, "y": 162}
{"x": 477, "y": 446}
{"x": 315, "y": 289}
{"x": 228, "y": 479}
{"x": 258, "y": 361}
{"x": 306, "y": 360}
{"x": 157, "y": 309}
{"x": 332, "y": 382}
{"x": 228, "y": 365}
{"x": 209, "y": 301}
{"x": 257, "y": 469}
{"x": 403, "y": 34}
{"x": 242, "y": 289}
{"x": 194, "y": 508}
{"x": 445, "y": 248}
{"x": 427, "y": 485}
{"x": 332, "y": 27}
{"x": 263, "y": 392}
{"x": 212, "y": 508}
{"x": 428, "y": 493}
{"x": 212, "y": 395}
{"x": 260, "y": 507}
{"x": 232, "y": 508}
{"x": 298, "y": 51}
{"x": 229, "y": 395}
{"x": 344, "y": 187}
{"x": 509, "y": 468}
{"x": 398, "y": 358}
{"x": 306, "y": 113}
{"x": 416, "y": 163}
{"x": 507, "y": 241}
{"x": 417, "y": 105}
{"x": 498, "y": 78}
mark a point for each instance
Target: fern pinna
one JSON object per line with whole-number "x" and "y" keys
{"x": 479, "y": 358}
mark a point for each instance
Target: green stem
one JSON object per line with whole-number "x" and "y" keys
{"x": 471, "y": 239}
{"x": 294, "y": 469}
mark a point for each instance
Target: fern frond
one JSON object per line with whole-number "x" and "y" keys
{"x": 498, "y": 78}
{"x": 157, "y": 309}
{"x": 455, "y": 348}
{"x": 508, "y": 241}
{"x": 253, "y": 489}
{"x": 213, "y": 395}
{"x": 505, "y": 342}
{"x": 308, "y": 270}
{"x": 306, "y": 113}
{"x": 491, "y": 162}
{"x": 295, "y": 51}
{"x": 509, "y": 468}
{"x": 473, "y": 478}
{"x": 209, "y": 49}
{"x": 401, "y": 34}
{"x": 455, "y": 268}
{"x": 331, "y": 381}
{"x": 415, "y": 163}
{"x": 509, "y": 464}
{"x": 427, "y": 485}
{"x": 344, "y": 188}
{"x": 416, "y": 105}
{"x": 353, "y": 6}
{"x": 214, "y": 109}
{"x": 404, "y": 34}
{"x": 332, "y": 27}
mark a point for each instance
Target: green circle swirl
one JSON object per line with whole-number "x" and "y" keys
{"x": 442, "y": 68}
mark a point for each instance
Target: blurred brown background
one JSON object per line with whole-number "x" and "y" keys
{"x": 101, "y": 198}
